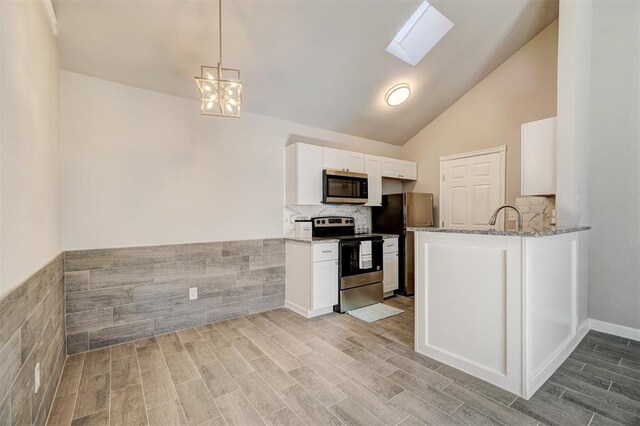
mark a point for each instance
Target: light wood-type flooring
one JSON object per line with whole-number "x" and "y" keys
{"x": 278, "y": 368}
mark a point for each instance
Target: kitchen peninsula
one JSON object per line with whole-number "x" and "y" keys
{"x": 500, "y": 305}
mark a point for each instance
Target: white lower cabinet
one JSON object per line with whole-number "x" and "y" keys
{"x": 390, "y": 265}
{"x": 325, "y": 285}
{"x": 311, "y": 277}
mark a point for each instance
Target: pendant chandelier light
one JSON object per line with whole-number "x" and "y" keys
{"x": 220, "y": 88}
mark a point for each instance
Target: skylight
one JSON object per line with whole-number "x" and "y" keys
{"x": 422, "y": 31}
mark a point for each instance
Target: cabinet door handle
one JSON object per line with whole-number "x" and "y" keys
{"x": 327, "y": 251}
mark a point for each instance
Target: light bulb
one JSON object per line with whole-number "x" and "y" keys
{"x": 229, "y": 108}
{"x": 209, "y": 105}
{"x": 207, "y": 88}
{"x": 212, "y": 97}
{"x": 232, "y": 101}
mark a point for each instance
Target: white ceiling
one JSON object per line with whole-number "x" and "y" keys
{"x": 317, "y": 62}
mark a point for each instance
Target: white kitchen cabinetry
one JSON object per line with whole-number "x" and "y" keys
{"x": 311, "y": 277}
{"x": 373, "y": 169}
{"x": 347, "y": 161}
{"x": 304, "y": 164}
{"x": 390, "y": 265}
{"x": 303, "y": 174}
{"x": 399, "y": 169}
{"x": 539, "y": 145}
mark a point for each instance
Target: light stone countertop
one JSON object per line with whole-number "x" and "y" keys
{"x": 317, "y": 240}
{"x": 526, "y": 232}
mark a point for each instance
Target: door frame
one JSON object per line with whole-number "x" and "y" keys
{"x": 502, "y": 150}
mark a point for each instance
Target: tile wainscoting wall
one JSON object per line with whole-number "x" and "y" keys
{"x": 123, "y": 294}
{"x": 31, "y": 332}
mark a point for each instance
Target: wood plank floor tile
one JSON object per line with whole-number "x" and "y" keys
{"x": 332, "y": 354}
{"x": 237, "y": 411}
{"x": 317, "y": 386}
{"x": 199, "y": 352}
{"x": 96, "y": 362}
{"x": 158, "y": 387}
{"x": 70, "y": 379}
{"x": 353, "y": 414}
{"x": 170, "y": 344}
{"x": 542, "y": 412}
{"x": 247, "y": 349}
{"x": 196, "y": 402}
{"x": 125, "y": 350}
{"x": 493, "y": 409}
{"x": 372, "y": 402}
{"x": 215, "y": 340}
{"x": 93, "y": 395}
{"x": 372, "y": 380}
{"x": 424, "y": 391}
{"x": 188, "y": 335}
{"x": 218, "y": 381}
{"x": 228, "y": 330}
{"x": 290, "y": 343}
{"x": 181, "y": 367}
{"x": 377, "y": 364}
{"x": 277, "y": 378}
{"x": 332, "y": 373}
{"x": 477, "y": 385}
{"x": 600, "y": 407}
{"x": 259, "y": 393}
{"x": 307, "y": 407}
{"x": 124, "y": 372}
{"x": 127, "y": 407}
{"x": 101, "y": 418}
{"x": 422, "y": 410}
{"x": 595, "y": 392}
{"x": 233, "y": 362}
{"x": 284, "y": 417}
{"x": 62, "y": 410}
{"x": 169, "y": 413}
{"x": 470, "y": 416}
{"x": 150, "y": 357}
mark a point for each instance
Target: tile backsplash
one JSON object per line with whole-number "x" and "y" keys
{"x": 361, "y": 215}
{"x": 537, "y": 212}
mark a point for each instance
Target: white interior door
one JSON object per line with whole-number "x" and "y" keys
{"x": 472, "y": 188}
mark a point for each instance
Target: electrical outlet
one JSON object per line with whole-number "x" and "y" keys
{"x": 511, "y": 216}
{"x": 193, "y": 293}
{"x": 37, "y": 378}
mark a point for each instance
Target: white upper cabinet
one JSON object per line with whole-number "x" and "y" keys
{"x": 304, "y": 164}
{"x": 303, "y": 174}
{"x": 539, "y": 146}
{"x": 399, "y": 169}
{"x": 347, "y": 161}
{"x": 373, "y": 169}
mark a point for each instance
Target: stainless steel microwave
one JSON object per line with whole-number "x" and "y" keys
{"x": 339, "y": 187}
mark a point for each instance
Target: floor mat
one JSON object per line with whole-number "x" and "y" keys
{"x": 375, "y": 312}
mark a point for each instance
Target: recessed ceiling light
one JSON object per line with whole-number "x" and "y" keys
{"x": 419, "y": 34}
{"x": 397, "y": 94}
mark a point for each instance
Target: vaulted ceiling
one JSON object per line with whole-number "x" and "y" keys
{"x": 317, "y": 62}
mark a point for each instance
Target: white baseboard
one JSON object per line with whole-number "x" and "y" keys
{"x": 305, "y": 312}
{"x": 615, "y": 329}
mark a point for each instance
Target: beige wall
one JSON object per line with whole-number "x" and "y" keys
{"x": 522, "y": 89}
{"x": 29, "y": 148}
{"x": 143, "y": 168}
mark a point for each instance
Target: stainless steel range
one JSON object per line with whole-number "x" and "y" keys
{"x": 360, "y": 262}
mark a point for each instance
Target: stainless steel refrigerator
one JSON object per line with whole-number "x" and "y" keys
{"x": 397, "y": 213}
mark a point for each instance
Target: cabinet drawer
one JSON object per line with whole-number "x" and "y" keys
{"x": 390, "y": 245}
{"x": 325, "y": 251}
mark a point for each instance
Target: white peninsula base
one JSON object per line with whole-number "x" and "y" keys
{"x": 502, "y": 308}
